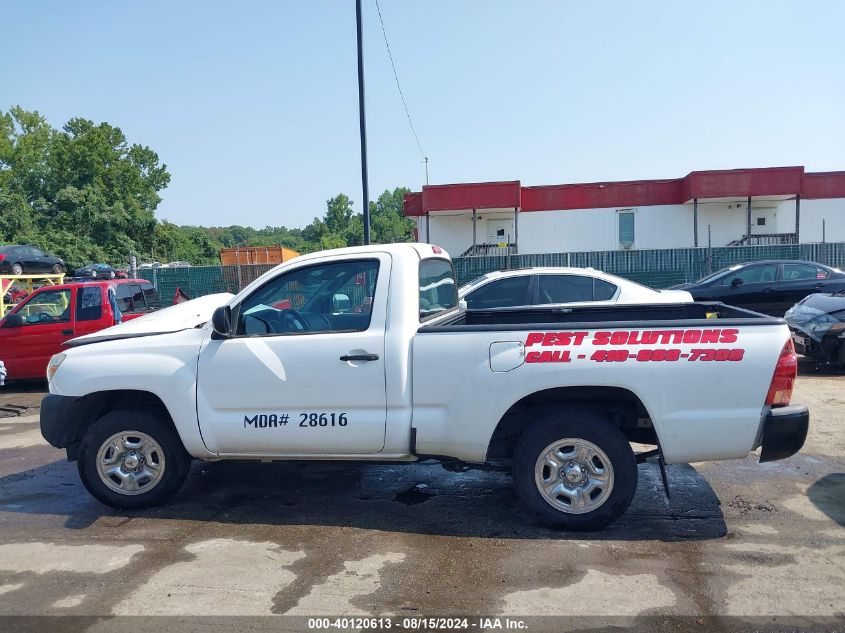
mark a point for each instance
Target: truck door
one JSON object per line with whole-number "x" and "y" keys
{"x": 91, "y": 314}
{"x": 46, "y": 324}
{"x": 500, "y": 232}
{"x": 304, "y": 370}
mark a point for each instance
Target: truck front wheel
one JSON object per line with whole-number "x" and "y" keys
{"x": 574, "y": 470}
{"x": 132, "y": 459}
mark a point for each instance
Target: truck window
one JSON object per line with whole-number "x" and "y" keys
{"x": 130, "y": 298}
{"x": 335, "y": 297}
{"x": 89, "y": 303}
{"x": 50, "y": 306}
{"x": 502, "y": 293}
{"x": 438, "y": 290}
{"x": 151, "y": 297}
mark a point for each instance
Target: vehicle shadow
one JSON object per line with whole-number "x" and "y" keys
{"x": 828, "y": 495}
{"x": 413, "y": 498}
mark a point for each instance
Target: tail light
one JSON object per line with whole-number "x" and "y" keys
{"x": 780, "y": 389}
{"x": 2, "y": 257}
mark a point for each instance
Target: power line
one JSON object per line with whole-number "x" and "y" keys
{"x": 398, "y": 86}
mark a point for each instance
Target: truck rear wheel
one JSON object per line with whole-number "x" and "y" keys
{"x": 132, "y": 459}
{"x": 574, "y": 470}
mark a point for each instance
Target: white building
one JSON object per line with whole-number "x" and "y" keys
{"x": 777, "y": 205}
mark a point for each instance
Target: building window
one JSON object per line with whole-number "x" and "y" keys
{"x": 625, "y": 220}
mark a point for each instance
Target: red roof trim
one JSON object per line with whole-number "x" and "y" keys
{"x": 413, "y": 204}
{"x": 824, "y": 184}
{"x": 475, "y": 195}
{"x": 772, "y": 181}
{"x": 601, "y": 194}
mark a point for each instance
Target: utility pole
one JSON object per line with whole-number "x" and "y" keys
{"x": 427, "y": 217}
{"x": 363, "y": 123}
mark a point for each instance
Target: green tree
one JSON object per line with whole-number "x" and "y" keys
{"x": 83, "y": 192}
{"x": 86, "y": 194}
{"x": 387, "y": 219}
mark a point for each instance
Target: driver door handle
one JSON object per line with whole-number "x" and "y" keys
{"x": 348, "y": 357}
{"x": 67, "y": 332}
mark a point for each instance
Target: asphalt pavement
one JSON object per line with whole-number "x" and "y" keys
{"x": 736, "y": 538}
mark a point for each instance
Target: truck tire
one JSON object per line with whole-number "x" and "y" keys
{"x": 574, "y": 470}
{"x": 132, "y": 459}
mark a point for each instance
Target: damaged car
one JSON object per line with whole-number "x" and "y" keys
{"x": 817, "y": 323}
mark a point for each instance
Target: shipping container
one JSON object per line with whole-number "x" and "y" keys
{"x": 246, "y": 255}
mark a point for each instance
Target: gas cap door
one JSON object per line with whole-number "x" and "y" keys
{"x": 506, "y": 355}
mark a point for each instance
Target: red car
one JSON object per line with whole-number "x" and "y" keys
{"x": 39, "y": 325}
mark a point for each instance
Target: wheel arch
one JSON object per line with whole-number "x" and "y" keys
{"x": 92, "y": 407}
{"x": 619, "y": 405}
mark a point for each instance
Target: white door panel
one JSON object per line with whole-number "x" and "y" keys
{"x": 291, "y": 394}
{"x": 500, "y": 231}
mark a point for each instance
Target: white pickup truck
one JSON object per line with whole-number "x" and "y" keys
{"x": 366, "y": 354}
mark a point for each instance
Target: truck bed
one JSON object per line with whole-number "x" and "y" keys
{"x": 701, "y": 370}
{"x": 705, "y": 314}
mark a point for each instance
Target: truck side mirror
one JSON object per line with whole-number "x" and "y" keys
{"x": 737, "y": 281}
{"x": 221, "y": 321}
{"x": 14, "y": 320}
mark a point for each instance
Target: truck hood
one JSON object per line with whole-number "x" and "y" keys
{"x": 175, "y": 318}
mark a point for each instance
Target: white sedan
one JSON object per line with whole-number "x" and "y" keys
{"x": 560, "y": 286}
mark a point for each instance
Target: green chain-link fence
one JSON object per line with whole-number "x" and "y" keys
{"x": 658, "y": 268}
{"x": 197, "y": 281}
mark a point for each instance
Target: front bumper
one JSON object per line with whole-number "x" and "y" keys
{"x": 784, "y": 432}
{"x": 59, "y": 420}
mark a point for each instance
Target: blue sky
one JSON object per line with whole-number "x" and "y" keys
{"x": 253, "y": 105}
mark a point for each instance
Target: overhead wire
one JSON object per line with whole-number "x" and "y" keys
{"x": 398, "y": 85}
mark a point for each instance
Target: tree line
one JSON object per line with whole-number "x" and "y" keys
{"x": 85, "y": 194}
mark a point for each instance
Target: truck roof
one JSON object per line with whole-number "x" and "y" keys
{"x": 420, "y": 250}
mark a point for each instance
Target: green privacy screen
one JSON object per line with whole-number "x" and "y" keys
{"x": 658, "y": 268}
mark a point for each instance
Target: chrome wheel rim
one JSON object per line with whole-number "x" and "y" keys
{"x": 574, "y": 476}
{"x": 130, "y": 463}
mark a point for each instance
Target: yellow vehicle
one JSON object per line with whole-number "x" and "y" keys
{"x": 27, "y": 283}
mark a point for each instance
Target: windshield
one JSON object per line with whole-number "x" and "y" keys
{"x": 718, "y": 273}
{"x": 473, "y": 284}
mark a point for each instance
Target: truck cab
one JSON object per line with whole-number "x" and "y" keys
{"x": 38, "y": 326}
